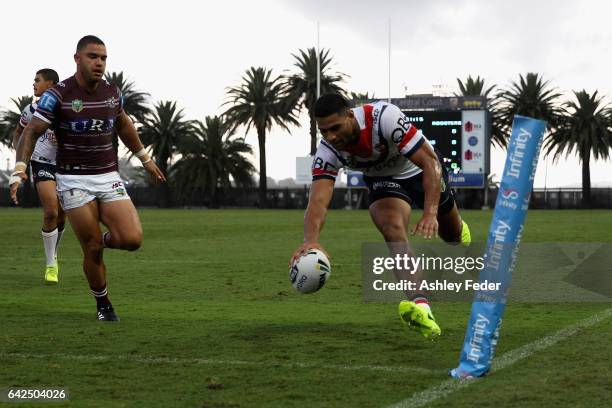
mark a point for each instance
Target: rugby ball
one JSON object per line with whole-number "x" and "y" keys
{"x": 309, "y": 272}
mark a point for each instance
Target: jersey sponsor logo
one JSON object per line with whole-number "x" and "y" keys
{"x": 375, "y": 114}
{"x": 49, "y": 135}
{"x": 385, "y": 184}
{"x": 90, "y": 125}
{"x": 45, "y": 174}
{"x": 321, "y": 167}
{"x": 47, "y": 101}
{"x": 400, "y": 131}
{"x": 77, "y": 105}
{"x": 318, "y": 163}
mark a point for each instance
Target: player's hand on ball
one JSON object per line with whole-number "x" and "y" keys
{"x": 14, "y": 182}
{"x": 154, "y": 171}
{"x": 301, "y": 251}
{"x": 427, "y": 226}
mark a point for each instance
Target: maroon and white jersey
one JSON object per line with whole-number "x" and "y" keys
{"x": 386, "y": 142}
{"x": 83, "y": 124}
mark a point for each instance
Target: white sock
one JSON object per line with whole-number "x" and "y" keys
{"x": 60, "y": 232}
{"x": 50, "y": 240}
{"x": 422, "y": 301}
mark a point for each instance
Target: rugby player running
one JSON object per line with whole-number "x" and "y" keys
{"x": 401, "y": 169}
{"x": 84, "y": 109}
{"x": 43, "y": 172}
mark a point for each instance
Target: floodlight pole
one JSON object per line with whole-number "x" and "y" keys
{"x": 318, "y": 65}
{"x": 389, "y": 62}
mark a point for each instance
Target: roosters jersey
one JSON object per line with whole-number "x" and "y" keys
{"x": 46, "y": 145}
{"x": 386, "y": 142}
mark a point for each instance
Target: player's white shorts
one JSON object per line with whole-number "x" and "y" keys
{"x": 77, "y": 190}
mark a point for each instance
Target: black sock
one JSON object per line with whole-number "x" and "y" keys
{"x": 101, "y": 296}
{"x": 106, "y": 239}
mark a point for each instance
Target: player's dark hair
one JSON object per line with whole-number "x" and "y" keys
{"x": 88, "y": 39}
{"x": 48, "y": 74}
{"x": 330, "y": 103}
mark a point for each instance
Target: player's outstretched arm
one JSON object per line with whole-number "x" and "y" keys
{"x": 25, "y": 146}
{"x": 426, "y": 159}
{"x": 129, "y": 136}
{"x": 321, "y": 192}
{"x": 16, "y": 136}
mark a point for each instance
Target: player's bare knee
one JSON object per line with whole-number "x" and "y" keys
{"x": 393, "y": 232}
{"x": 132, "y": 241}
{"x": 132, "y": 244}
{"x": 93, "y": 248}
{"x": 50, "y": 215}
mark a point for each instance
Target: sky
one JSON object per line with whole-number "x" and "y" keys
{"x": 191, "y": 52}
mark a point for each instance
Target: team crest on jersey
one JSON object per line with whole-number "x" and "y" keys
{"x": 112, "y": 102}
{"x": 77, "y": 105}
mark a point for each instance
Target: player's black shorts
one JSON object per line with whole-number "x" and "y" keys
{"x": 42, "y": 171}
{"x": 409, "y": 190}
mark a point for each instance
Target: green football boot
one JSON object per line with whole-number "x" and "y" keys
{"x": 51, "y": 274}
{"x": 466, "y": 237}
{"x": 420, "y": 318}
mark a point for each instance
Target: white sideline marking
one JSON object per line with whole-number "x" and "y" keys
{"x": 451, "y": 385}
{"x": 207, "y": 361}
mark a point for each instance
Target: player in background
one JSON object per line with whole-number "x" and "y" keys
{"x": 84, "y": 110}
{"x": 43, "y": 172}
{"x": 401, "y": 169}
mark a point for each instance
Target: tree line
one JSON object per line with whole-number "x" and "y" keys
{"x": 209, "y": 156}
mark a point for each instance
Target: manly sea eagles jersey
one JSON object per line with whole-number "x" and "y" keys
{"x": 386, "y": 142}
{"x": 46, "y": 145}
{"x": 83, "y": 124}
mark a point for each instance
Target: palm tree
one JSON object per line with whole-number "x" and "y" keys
{"x": 361, "y": 96}
{"x": 163, "y": 131}
{"x": 303, "y": 84}
{"x": 9, "y": 119}
{"x": 476, "y": 87}
{"x": 135, "y": 103}
{"x": 359, "y": 99}
{"x": 532, "y": 97}
{"x": 259, "y": 102}
{"x": 211, "y": 158}
{"x": 584, "y": 128}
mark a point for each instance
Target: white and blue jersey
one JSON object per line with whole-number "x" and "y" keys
{"x": 386, "y": 142}
{"x": 46, "y": 145}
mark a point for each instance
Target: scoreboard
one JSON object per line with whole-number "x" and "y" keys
{"x": 459, "y": 129}
{"x": 443, "y": 130}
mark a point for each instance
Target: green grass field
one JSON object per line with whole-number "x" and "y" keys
{"x": 209, "y": 319}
